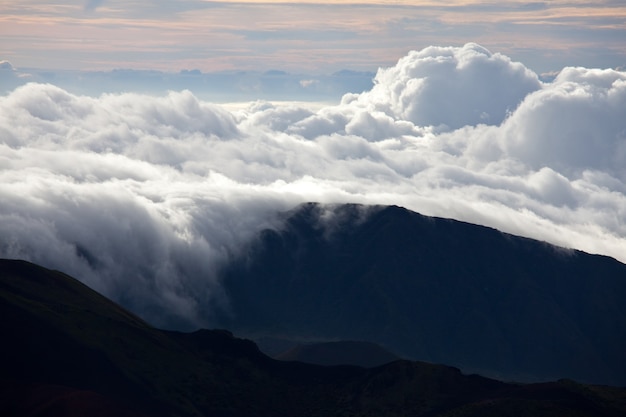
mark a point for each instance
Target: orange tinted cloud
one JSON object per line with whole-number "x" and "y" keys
{"x": 253, "y": 34}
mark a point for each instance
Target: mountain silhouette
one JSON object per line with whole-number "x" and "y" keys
{"x": 346, "y": 352}
{"x": 435, "y": 290}
{"x": 67, "y": 351}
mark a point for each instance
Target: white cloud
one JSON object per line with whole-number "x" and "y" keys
{"x": 450, "y": 86}
{"x": 309, "y": 83}
{"x": 143, "y": 197}
{"x": 575, "y": 123}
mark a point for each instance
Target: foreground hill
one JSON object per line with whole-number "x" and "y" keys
{"x": 434, "y": 289}
{"x": 68, "y": 351}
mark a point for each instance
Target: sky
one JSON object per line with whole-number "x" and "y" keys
{"x": 319, "y": 37}
{"x": 277, "y": 50}
{"x": 142, "y": 192}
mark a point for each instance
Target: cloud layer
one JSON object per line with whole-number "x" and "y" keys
{"x": 143, "y": 197}
{"x": 319, "y": 37}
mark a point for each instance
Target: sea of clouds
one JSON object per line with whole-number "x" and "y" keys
{"x": 143, "y": 197}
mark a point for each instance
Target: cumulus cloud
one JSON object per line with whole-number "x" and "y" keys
{"x": 452, "y": 87}
{"x": 583, "y": 110}
{"x": 145, "y": 197}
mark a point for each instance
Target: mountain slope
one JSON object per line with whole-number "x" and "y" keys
{"x": 347, "y": 352}
{"x": 434, "y": 289}
{"x": 67, "y": 351}
{"x": 59, "y": 332}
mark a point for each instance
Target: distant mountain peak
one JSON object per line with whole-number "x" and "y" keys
{"x": 433, "y": 289}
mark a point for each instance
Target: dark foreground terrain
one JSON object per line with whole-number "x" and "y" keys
{"x": 67, "y": 351}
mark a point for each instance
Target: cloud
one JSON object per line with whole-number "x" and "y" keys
{"x": 309, "y": 83}
{"x": 145, "y": 197}
{"x": 172, "y": 35}
{"x": 452, "y": 87}
{"x": 552, "y": 127}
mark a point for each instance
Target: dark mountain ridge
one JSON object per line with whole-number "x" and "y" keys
{"x": 344, "y": 352}
{"x": 433, "y": 289}
{"x": 68, "y": 351}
